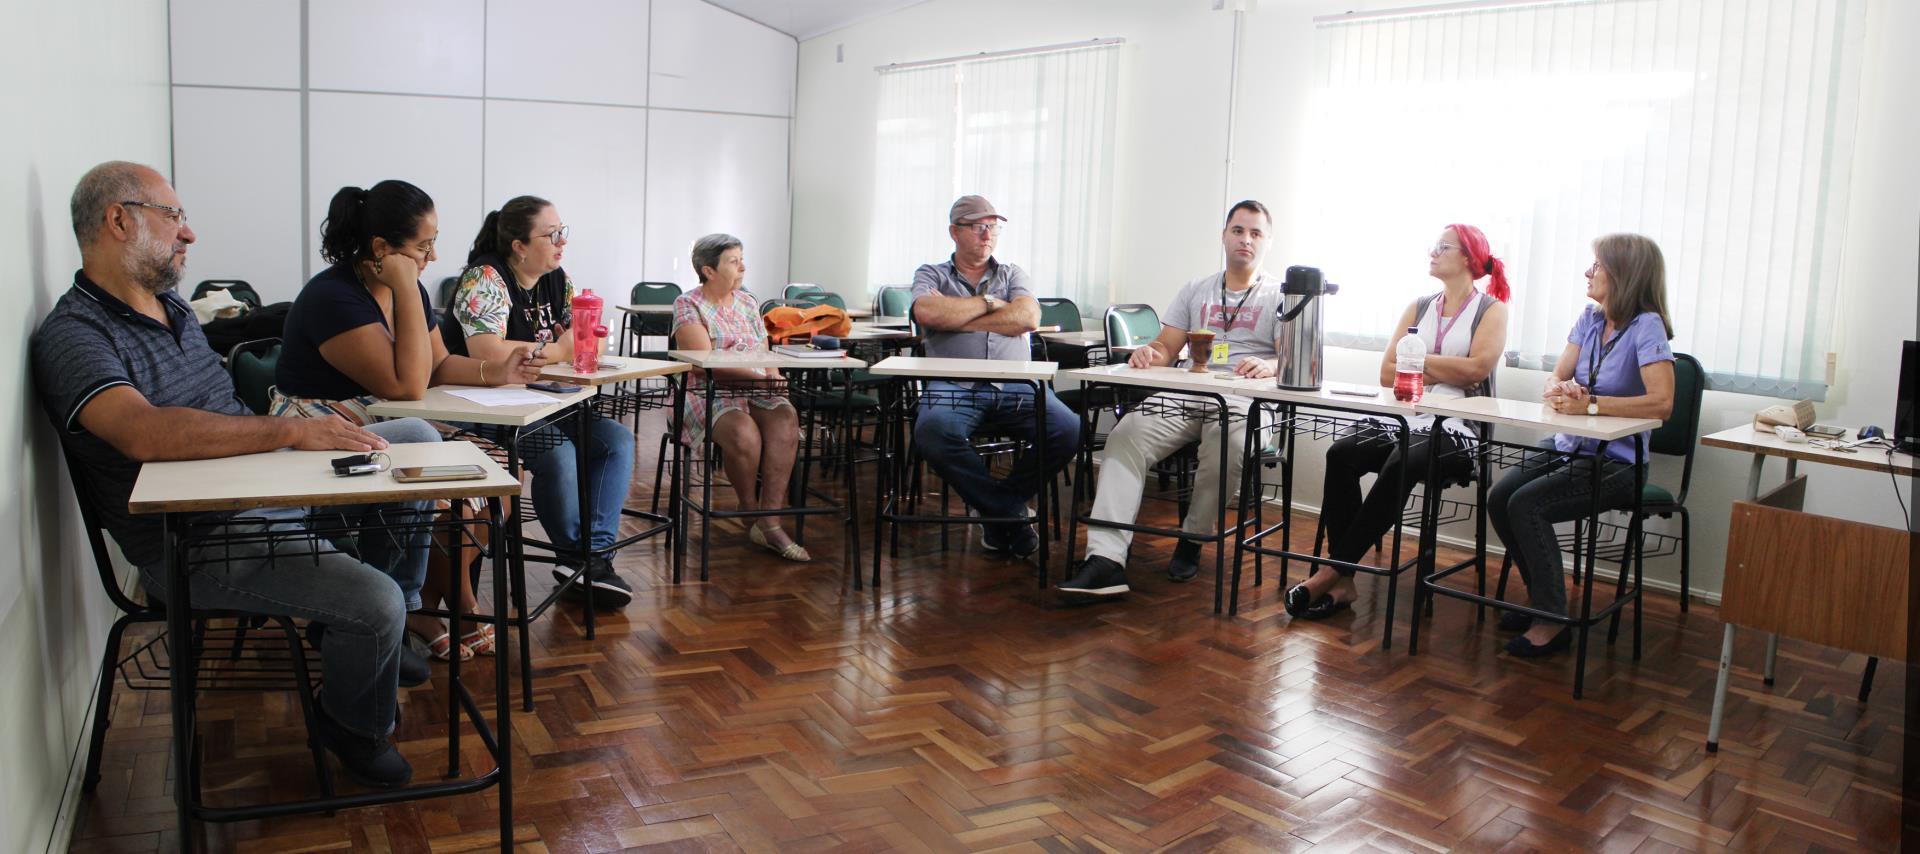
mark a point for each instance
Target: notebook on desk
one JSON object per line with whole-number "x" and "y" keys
{"x": 805, "y": 352}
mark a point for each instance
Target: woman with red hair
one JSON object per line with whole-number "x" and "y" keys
{"x": 1465, "y": 332}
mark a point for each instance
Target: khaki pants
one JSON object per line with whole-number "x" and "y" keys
{"x": 1144, "y": 438}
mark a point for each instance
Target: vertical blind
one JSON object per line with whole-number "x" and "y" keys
{"x": 1722, "y": 129}
{"x": 1033, "y": 133}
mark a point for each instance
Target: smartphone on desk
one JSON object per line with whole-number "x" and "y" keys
{"x": 427, "y": 474}
{"x": 554, "y": 387}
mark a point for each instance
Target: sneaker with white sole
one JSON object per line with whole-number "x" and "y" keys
{"x": 1097, "y": 577}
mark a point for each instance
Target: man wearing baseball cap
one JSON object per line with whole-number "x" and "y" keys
{"x": 972, "y": 306}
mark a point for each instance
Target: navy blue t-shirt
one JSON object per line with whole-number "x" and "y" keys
{"x": 92, "y": 342}
{"x": 331, "y": 303}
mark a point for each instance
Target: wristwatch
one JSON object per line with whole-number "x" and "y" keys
{"x": 1593, "y": 406}
{"x": 992, "y": 304}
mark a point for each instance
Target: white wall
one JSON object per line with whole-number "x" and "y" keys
{"x": 1171, "y": 186}
{"x": 88, "y": 82}
{"x": 646, "y": 123}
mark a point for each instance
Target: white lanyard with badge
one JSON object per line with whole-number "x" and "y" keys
{"x": 1220, "y": 346}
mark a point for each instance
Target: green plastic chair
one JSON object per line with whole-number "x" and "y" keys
{"x": 893, "y": 300}
{"x": 644, "y": 325}
{"x": 822, "y": 298}
{"x": 1676, "y": 437}
{"x": 800, "y": 291}
{"x": 252, "y": 364}
{"x": 1131, "y": 325}
{"x": 1061, "y": 312}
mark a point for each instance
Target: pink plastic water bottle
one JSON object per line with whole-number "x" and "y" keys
{"x": 587, "y": 330}
{"x": 1410, "y": 366}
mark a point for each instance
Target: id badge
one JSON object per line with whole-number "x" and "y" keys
{"x": 1219, "y": 356}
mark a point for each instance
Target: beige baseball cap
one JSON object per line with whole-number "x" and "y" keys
{"x": 971, "y": 209}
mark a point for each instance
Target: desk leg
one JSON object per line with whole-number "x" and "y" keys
{"x": 515, "y": 547}
{"x": 1753, "y": 494}
{"x": 1720, "y": 689}
{"x": 583, "y": 427}
{"x": 1040, "y": 391}
{"x": 1773, "y": 641}
{"x": 1773, "y": 652}
{"x": 503, "y": 727}
{"x": 180, "y": 651}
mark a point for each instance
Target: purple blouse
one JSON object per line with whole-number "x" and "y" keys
{"x": 1619, "y": 361}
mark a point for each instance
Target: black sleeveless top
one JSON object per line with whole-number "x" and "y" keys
{"x": 543, "y": 306}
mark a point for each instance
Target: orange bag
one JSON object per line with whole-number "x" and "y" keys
{"x": 786, "y": 324}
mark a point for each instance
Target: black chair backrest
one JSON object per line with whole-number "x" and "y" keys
{"x": 96, "y": 537}
{"x": 444, "y": 297}
{"x": 237, "y": 287}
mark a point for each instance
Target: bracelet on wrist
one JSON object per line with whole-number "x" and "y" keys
{"x": 483, "y": 372}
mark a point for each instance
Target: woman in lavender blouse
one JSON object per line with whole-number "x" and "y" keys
{"x": 1617, "y": 362}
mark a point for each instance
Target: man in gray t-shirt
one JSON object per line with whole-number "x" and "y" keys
{"x": 974, "y": 306}
{"x": 1237, "y": 305}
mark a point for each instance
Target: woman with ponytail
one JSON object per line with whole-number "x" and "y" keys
{"x": 512, "y": 289}
{"x": 362, "y": 330}
{"x": 1465, "y": 332}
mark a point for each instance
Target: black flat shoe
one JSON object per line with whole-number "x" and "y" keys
{"x": 1324, "y": 607}
{"x": 1514, "y": 621}
{"x": 1520, "y": 647}
{"x": 1297, "y": 599}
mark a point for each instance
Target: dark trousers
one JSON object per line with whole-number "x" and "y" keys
{"x": 1356, "y": 523}
{"x": 1526, "y": 503}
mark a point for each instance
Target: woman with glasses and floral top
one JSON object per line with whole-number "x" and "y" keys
{"x": 512, "y": 290}
{"x": 362, "y": 330}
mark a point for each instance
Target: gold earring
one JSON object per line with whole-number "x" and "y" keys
{"x": 376, "y": 265}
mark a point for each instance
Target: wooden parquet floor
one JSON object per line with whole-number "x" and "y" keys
{"x": 958, "y": 709}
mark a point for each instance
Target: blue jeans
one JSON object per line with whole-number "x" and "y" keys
{"x": 953, "y": 412}
{"x": 556, "y": 485}
{"x": 364, "y": 602}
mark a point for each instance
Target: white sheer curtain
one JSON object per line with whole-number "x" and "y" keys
{"x": 1723, "y": 129}
{"x": 1033, "y": 133}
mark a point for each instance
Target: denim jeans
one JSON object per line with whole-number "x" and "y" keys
{"x": 951, "y": 415}
{"x": 364, "y": 601}
{"x": 1553, "y": 487}
{"x": 556, "y": 485}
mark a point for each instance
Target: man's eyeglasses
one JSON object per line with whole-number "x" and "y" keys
{"x": 558, "y": 234}
{"x": 177, "y": 215}
{"x": 983, "y": 230}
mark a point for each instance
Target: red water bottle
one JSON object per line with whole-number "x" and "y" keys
{"x": 587, "y": 332}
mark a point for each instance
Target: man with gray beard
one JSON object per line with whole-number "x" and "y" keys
{"x": 125, "y": 373}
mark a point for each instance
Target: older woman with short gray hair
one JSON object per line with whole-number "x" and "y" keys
{"x": 757, "y": 431}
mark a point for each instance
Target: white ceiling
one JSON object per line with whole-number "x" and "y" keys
{"x": 804, "y": 19}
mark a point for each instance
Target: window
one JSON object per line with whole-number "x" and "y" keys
{"x": 1031, "y": 132}
{"x": 1723, "y": 129}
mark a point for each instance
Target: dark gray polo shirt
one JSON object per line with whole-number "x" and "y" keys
{"x": 92, "y": 342}
{"x": 1006, "y": 282}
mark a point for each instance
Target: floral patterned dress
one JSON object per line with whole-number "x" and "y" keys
{"x": 731, "y": 327}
